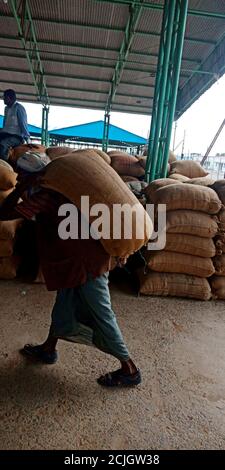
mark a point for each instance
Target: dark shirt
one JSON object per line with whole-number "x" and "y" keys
{"x": 65, "y": 263}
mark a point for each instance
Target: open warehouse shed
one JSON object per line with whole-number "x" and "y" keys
{"x": 149, "y": 57}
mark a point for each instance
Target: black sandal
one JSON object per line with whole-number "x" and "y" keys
{"x": 119, "y": 379}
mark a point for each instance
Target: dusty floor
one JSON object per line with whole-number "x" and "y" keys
{"x": 179, "y": 345}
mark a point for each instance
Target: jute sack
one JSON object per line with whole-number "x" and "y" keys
{"x": 7, "y": 178}
{"x": 8, "y": 228}
{"x": 17, "y": 152}
{"x": 111, "y": 153}
{"x": 170, "y": 262}
{"x": 188, "y": 168}
{"x": 203, "y": 181}
{"x": 172, "y": 157}
{"x": 218, "y": 287}
{"x": 127, "y": 165}
{"x": 128, "y": 179}
{"x": 8, "y": 267}
{"x": 6, "y": 165}
{"x": 142, "y": 160}
{"x": 188, "y": 196}
{"x": 219, "y": 187}
{"x": 190, "y": 244}
{"x": 85, "y": 176}
{"x": 55, "y": 152}
{"x": 191, "y": 222}
{"x": 4, "y": 194}
{"x": 6, "y": 248}
{"x": 180, "y": 178}
{"x": 176, "y": 285}
{"x": 154, "y": 185}
{"x": 219, "y": 264}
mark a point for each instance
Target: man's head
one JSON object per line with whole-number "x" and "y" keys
{"x": 9, "y": 97}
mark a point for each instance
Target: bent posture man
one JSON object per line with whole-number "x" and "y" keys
{"x": 15, "y": 129}
{"x": 78, "y": 270}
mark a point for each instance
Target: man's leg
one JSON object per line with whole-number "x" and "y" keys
{"x": 107, "y": 335}
{"x": 7, "y": 141}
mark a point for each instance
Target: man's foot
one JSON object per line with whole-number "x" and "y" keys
{"x": 39, "y": 354}
{"x": 120, "y": 379}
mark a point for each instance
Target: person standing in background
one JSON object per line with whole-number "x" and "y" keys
{"x": 15, "y": 128}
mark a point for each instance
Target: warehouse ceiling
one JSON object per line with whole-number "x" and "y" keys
{"x": 83, "y": 53}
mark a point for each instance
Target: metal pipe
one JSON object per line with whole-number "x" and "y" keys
{"x": 175, "y": 82}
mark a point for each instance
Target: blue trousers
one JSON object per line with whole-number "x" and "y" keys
{"x": 7, "y": 141}
{"x": 84, "y": 315}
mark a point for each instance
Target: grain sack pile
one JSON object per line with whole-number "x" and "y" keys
{"x": 127, "y": 165}
{"x": 183, "y": 267}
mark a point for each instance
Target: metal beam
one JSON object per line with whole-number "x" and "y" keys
{"x": 153, "y": 6}
{"x": 27, "y": 36}
{"x": 129, "y": 33}
{"x": 109, "y": 28}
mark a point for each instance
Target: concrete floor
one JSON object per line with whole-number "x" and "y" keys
{"x": 179, "y": 345}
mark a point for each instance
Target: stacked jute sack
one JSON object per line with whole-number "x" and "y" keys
{"x": 217, "y": 281}
{"x": 184, "y": 266}
{"x": 9, "y": 263}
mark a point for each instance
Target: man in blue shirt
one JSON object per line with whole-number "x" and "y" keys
{"x": 15, "y": 129}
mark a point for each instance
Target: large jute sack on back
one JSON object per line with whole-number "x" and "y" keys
{"x": 219, "y": 187}
{"x": 8, "y": 267}
{"x": 188, "y": 196}
{"x": 172, "y": 157}
{"x": 202, "y": 181}
{"x": 7, "y": 178}
{"x": 55, "y": 152}
{"x": 170, "y": 262}
{"x": 17, "y": 152}
{"x": 6, "y": 248}
{"x": 191, "y": 222}
{"x": 176, "y": 285}
{"x": 190, "y": 244}
{"x": 219, "y": 264}
{"x": 218, "y": 287}
{"x": 85, "y": 176}
{"x": 127, "y": 165}
{"x": 180, "y": 178}
{"x": 8, "y": 228}
{"x": 154, "y": 185}
{"x": 188, "y": 168}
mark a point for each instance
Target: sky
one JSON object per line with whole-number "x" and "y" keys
{"x": 195, "y": 128}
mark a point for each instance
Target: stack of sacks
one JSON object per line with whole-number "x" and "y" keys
{"x": 9, "y": 263}
{"x": 186, "y": 261}
{"x": 187, "y": 168}
{"x": 127, "y": 165}
{"x": 218, "y": 280}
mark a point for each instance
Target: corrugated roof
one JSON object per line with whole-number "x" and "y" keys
{"x": 34, "y": 130}
{"x": 79, "y": 43}
{"x": 93, "y": 132}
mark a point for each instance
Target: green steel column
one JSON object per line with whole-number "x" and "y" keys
{"x": 105, "y": 139}
{"x": 162, "y": 87}
{"x": 156, "y": 92}
{"x": 163, "y": 133}
{"x": 175, "y": 82}
{"x": 44, "y": 130}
